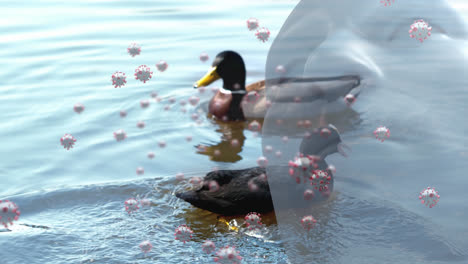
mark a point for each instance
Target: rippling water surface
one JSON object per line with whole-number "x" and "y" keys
{"x": 55, "y": 54}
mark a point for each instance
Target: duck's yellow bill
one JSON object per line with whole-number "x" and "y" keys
{"x": 234, "y": 228}
{"x": 210, "y": 77}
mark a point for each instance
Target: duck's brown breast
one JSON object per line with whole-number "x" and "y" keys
{"x": 219, "y": 104}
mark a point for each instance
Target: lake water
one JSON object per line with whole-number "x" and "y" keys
{"x": 56, "y": 54}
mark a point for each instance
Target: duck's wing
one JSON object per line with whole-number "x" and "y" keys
{"x": 257, "y": 106}
{"x": 256, "y": 86}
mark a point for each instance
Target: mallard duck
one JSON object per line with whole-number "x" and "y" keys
{"x": 226, "y": 103}
{"x": 235, "y": 195}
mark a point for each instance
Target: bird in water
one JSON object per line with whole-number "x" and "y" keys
{"x": 235, "y": 195}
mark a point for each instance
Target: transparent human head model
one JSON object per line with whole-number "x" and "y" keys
{"x": 331, "y": 51}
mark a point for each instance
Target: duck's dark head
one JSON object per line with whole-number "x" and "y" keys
{"x": 229, "y": 66}
{"x": 323, "y": 142}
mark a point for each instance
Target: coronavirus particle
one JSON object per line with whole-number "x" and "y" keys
{"x": 252, "y": 23}
{"x": 161, "y": 66}
{"x": 78, "y": 108}
{"x": 132, "y": 205}
{"x": 134, "y": 49}
{"x": 123, "y": 113}
{"x": 320, "y": 180}
{"x": 263, "y": 34}
{"x": 183, "y": 233}
{"x": 420, "y": 30}
{"x": 146, "y": 246}
{"x": 253, "y": 220}
{"x": 429, "y": 196}
{"x": 150, "y": 155}
{"x": 228, "y": 255}
{"x": 251, "y": 97}
{"x": 140, "y": 171}
{"x": 208, "y": 246}
{"x": 262, "y": 161}
{"x": 382, "y": 133}
{"x": 387, "y": 2}
{"x": 193, "y": 100}
{"x": 120, "y": 135}
{"x": 67, "y": 141}
{"x": 143, "y": 73}
{"x": 255, "y": 126}
{"x": 308, "y": 222}
{"x": 144, "y": 103}
{"x": 119, "y": 79}
{"x": 9, "y": 212}
{"x": 141, "y": 124}
{"x": 204, "y": 57}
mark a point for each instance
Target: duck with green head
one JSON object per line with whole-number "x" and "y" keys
{"x": 227, "y": 102}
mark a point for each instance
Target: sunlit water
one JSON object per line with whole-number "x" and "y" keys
{"x": 55, "y": 54}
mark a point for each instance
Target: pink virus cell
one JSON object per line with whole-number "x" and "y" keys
{"x": 193, "y": 100}
{"x": 132, "y": 205}
{"x": 235, "y": 143}
{"x": 154, "y": 94}
{"x": 140, "y": 124}
{"x": 150, "y": 155}
{"x": 213, "y": 186}
{"x": 309, "y": 194}
{"x": 228, "y": 255}
{"x": 208, "y": 246}
{"x": 9, "y": 212}
{"x": 162, "y": 66}
{"x": 268, "y": 149}
{"x": 387, "y": 2}
{"x": 201, "y": 89}
{"x": 162, "y": 144}
{"x": 120, "y": 135}
{"x": 119, "y": 79}
{"x": 167, "y": 108}
{"x": 182, "y": 102}
{"x": 302, "y": 167}
{"x": 382, "y": 133}
{"x": 253, "y": 187}
{"x": 179, "y": 176}
{"x": 420, "y": 30}
{"x": 140, "y": 171}
{"x": 143, "y": 73}
{"x": 144, "y": 103}
{"x": 183, "y": 233}
{"x": 320, "y": 180}
{"x": 253, "y": 220}
{"x": 325, "y": 132}
{"x": 279, "y": 122}
{"x": 183, "y": 110}
{"x": 267, "y": 103}
{"x": 255, "y": 126}
{"x": 332, "y": 169}
{"x": 159, "y": 99}
{"x": 262, "y": 162}
{"x": 78, "y": 108}
{"x": 263, "y": 34}
{"x": 201, "y": 148}
{"x": 285, "y": 139}
{"x": 252, "y": 23}
{"x": 251, "y": 97}
{"x": 146, "y": 202}
{"x": 429, "y": 196}
{"x": 195, "y": 181}
{"x": 217, "y": 152}
{"x": 123, "y": 113}
{"x": 171, "y": 100}
{"x": 146, "y": 246}
{"x": 308, "y": 222}
{"x": 134, "y": 49}
{"x": 67, "y": 141}
{"x": 204, "y": 57}
{"x": 280, "y": 69}
{"x": 214, "y": 90}
{"x": 194, "y": 116}
{"x": 349, "y": 99}
{"x": 278, "y": 154}
{"x": 307, "y": 123}
{"x": 188, "y": 138}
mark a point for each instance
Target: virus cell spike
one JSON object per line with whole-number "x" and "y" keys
{"x": 262, "y": 162}
{"x": 263, "y": 34}
{"x": 119, "y": 79}
{"x": 208, "y": 246}
{"x": 140, "y": 124}
{"x": 120, "y": 135}
{"x": 78, "y": 108}
{"x": 193, "y": 100}
{"x": 123, "y": 113}
{"x": 140, "y": 171}
{"x": 228, "y": 255}
{"x": 387, "y": 2}
{"x": 308, "y": 222}
{"x": 132, "y": 205}
{"x": 420, "y": 30}
{"x": 162, "y": 66}
{"x": 255, "y": 126}
{"x": 320, "y": 180}
{"x": 252, "y": 23}
{"x": 134, "y": 49}
{"x": 382, "y": 133}
{"x": 67, "y": 141}
{"x": 143, "y": 73}
{"x": 183, "y": 233}
{"x": 253, "y": 221}
{"x": 429, "y": 196}
{"x": 9, "y": 212}
{"x": 349, "y": 99}
{"x": 146, "y": 246}
{"x": 150, "y": 155}
{"x": 204, "y": 57}
{"x": 144, "y": 103}
{"x": 251, "y": 97}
